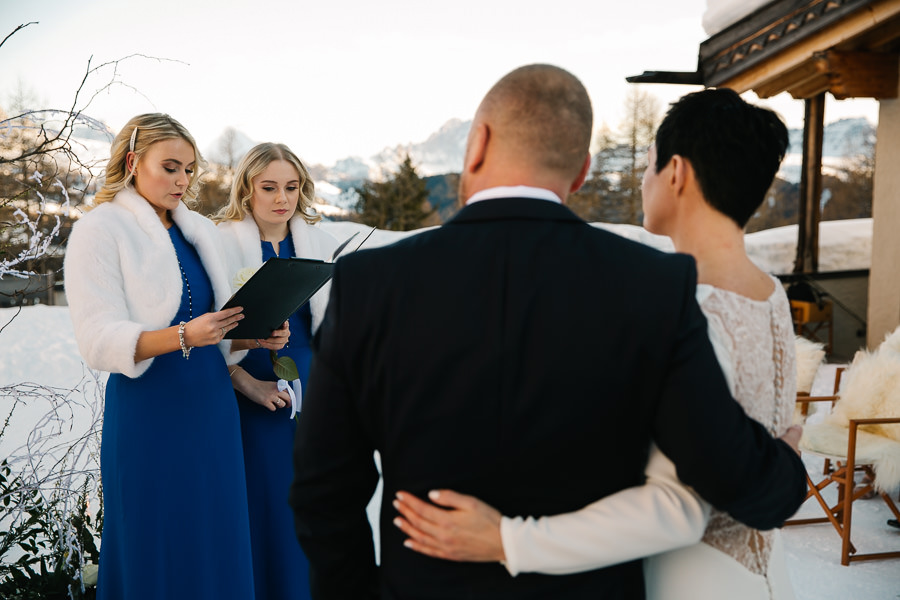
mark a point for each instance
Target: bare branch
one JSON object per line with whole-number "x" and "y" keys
{"x": 13, "y": 32}
{"x": 59, "y": 139}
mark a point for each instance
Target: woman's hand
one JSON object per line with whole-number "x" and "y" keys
{"x": 264, "y": 393}
{"x": 792, "y": 437}
{"x": 469, "y": 532}
{"x": 210, "y": 328}
{"x": 205, "y": 330}
{"x": 276, "y": 341}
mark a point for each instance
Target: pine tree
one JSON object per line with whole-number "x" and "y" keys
{"x": 399, "y": 203}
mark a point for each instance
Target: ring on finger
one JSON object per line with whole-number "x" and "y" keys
{"x": 223, "y": 331}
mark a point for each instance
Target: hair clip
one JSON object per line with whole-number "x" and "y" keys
{"x": 133, "y": 137}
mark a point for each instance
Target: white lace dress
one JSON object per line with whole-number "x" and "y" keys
{"x": 754, "y": 342}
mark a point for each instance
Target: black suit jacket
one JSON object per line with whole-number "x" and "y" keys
{"x": 528, "y": 358}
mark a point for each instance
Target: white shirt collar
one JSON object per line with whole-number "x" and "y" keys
{"x": 517, "y": 191}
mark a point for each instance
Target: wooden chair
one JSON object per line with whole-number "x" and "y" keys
{"x": 849, "y": 449}
{"x": 814, "y": 321}
{"x": 809, "y": 357}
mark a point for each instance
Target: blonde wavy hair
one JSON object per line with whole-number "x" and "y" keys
{"x": 255, "y": 162}
{"x": 137, "y": 136}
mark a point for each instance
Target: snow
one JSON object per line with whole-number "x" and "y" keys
{"x": 37, "y": 345}
{"x": 723, "y": 13}
{"x": 843, "y": 245}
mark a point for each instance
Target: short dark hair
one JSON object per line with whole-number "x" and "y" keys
{"x": 734, "y": 147}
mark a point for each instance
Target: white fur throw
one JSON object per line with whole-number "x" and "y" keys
{"x": 870, "y": 388}
{"x": 830, "y": 440}
{"x": 809, "y": 356}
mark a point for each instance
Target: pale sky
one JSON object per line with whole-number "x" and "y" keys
{"x": 337, "y": 78}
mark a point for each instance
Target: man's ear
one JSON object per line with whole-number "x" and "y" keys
{"x": 582, "y": 175}
{"x": 479, "y": 138}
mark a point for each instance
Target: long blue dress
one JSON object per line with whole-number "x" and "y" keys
{"x": 176, "y": 524}
{"x": 280, "y": 569}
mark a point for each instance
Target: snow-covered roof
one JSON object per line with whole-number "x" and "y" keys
{"x": 720, "y": 14}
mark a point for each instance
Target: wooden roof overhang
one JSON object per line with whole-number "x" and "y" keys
{"x": 806, "y": 47}
{"x": 849, "y": 48}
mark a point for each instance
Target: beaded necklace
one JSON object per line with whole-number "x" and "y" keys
{"x": 188, "y": 284}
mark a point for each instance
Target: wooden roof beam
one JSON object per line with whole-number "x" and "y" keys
{"x": 861, "y": 74}
{"x": 804, "y": 73}
{"x": 796, "y": 55}
{"x": 844, "y": 74}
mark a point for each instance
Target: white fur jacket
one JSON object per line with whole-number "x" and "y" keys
{"x": 122, "y": 278}
{"x": 245, "y": 250}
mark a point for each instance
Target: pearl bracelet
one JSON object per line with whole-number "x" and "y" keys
{"x": 185, "y": 349}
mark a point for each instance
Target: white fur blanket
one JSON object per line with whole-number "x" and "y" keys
{"x": 809, "y": 356}
{"x": 830, "y": 440}
{"x": 870, "y": 388}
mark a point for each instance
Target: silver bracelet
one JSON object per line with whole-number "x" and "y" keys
{"x": 185, "y": 349}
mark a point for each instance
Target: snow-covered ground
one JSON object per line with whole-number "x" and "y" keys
{"x": 843, "y": 245}
{"x": 37, "y": 345}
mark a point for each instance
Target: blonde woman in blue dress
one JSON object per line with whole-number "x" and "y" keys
{"x": 270, "y": 214}
{"x": 144, "y": 274}
{"x": 714, "y": 158}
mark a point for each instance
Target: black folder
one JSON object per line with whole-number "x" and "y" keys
{"x": 275, "y": 292}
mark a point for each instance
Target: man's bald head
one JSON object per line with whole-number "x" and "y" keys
{"x": 542, "y": 115}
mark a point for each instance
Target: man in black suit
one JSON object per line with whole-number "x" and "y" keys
{"x": 519, "y": 355}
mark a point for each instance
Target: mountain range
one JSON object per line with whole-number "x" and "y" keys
{"x": 442, "y": 152}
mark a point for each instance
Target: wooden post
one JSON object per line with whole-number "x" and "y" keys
{"x": 884, "y": 274}
{"x": 51, "y": 287}
{"x": 807, "y": 260}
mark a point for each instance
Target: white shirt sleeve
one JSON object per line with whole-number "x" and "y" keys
{"x": 661, "y": 515}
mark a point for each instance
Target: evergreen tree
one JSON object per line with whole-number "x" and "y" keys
{"x": 399, "y": 203}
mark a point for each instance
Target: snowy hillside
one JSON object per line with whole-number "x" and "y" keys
{"x": 843, "y": 141}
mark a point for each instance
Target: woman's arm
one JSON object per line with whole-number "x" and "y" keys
{"x": 660, "y": 515}
{"x": 205, "y": 330}
{"x": 264, "y": 393}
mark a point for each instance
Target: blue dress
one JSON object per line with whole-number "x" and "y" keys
{"x": 280, "y": 569}
{"x": 176, "y": 524}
